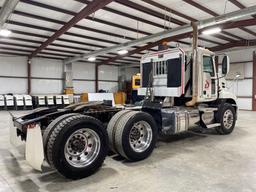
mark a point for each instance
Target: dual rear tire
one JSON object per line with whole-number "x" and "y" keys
{"x": 75, "y": 145}
{"x": 132, "y": 134}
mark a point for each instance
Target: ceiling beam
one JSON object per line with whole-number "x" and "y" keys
{"x": 69, "y": 33}
{"x": 179, "y": 31}
{"x": 154, "y": 13}
{"x": 149, "y": 11}
{"x": 172, "y": 11}
{"x": 146, "y": 10}
{"x": 202, "y": 8}
{"x": 75, "y": 26}
{"x": 6, "y": 10}
{"x": 89, "y": 9}
{"x": 124, "y": 14}
{"x": 240, "y": 5}
{"x": 53, "y": 44}
{"x": 94, "y": 19}
{"x": 150, "y": 45}
{"x": 242, "y": 43}
{"x": 160, "y": 6}
{"x": 65, "y": 11}
{"x": 79, "y": 27}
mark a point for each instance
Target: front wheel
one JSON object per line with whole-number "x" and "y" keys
{"x": 227, "y": 119}
{"x": 77, "y": 146}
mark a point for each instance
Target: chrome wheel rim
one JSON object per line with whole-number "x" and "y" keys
{"x": 140, "y": 136}
{"x": 82, "y": 147}
{"x": 228, "y": 119}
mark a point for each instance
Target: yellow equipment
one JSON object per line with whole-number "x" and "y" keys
{"x": 136, "y": 81}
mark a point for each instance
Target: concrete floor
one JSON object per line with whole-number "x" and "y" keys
{"x": 187, "y": 162}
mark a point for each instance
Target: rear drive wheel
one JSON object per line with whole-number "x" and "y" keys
{"x": 112, "y": 126}
{"x": 136, "y": 135}
{"x": 51, "y": 127}
{"x": 77, "y": 146}
{"x": 227, "y": 119}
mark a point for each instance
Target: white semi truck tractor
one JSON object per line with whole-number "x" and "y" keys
{"x": 183, "y": 89}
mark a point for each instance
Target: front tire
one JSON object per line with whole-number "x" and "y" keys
{"x": 227, "y": 118}
{"x": 77, "y": 146}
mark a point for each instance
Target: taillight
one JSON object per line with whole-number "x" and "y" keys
{"x": 31, "y": 125}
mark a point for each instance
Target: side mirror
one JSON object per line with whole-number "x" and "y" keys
{"x": 225, "y": 65}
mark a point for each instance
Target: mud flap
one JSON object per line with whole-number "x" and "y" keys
{"x": 34, "y": 148}
{"x": 14, "y": 139}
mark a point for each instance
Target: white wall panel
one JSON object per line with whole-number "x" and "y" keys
{"x": 108, "y": 86}
{"x": 248, "y": 70}
{"x": 244, "y": 103}
{"x": 43, "y": 86}
{"x": 13, "y": 66}
{"x": 13, "y": 85}
{"x": 240, "y": 87}
{"x": 47, "y": 68}
{"x": 241, "y": 55}
{"x": 83, "y": 70}
{"x": 108, "y": 72}
{"x": 84, "y": 86}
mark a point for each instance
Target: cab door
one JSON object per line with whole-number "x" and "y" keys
{"x": 209, "y": 86}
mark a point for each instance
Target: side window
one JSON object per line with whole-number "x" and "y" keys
{"x": 208, "y": 65}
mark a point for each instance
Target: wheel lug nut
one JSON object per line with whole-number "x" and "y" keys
{"x": 90, "y": 145}
{"x": 86, "y": 153}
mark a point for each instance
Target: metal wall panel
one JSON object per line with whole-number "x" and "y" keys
{"x": 108, "y": 86}
{"x": 13, "y": 66}
{"x": 241, "y": 55}
{"x": 108, "y": 73}
{"x": 248, "y": 70}
{"x": 83, "y": 70}
{"x": 241, "y": 87}
{"x": 47, "y": 68}
{"x": 13, "y": 85}
{"x": 44, "y": 86}
{"x": 84, "y": 86}
{"x": 244, "y": 103}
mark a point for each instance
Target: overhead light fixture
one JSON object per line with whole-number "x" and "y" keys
{"x": 211, "y": 31}
{"x": 122, "y": 52}
{"x": 5, "y": 32}
{"x": 92, "y": 59}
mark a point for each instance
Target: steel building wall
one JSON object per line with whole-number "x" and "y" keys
{"x": 243, "y": 87}
{"x": 47, "y": 76}
{"x": 13, "y": 72}
{"x": 83, "y": 77}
